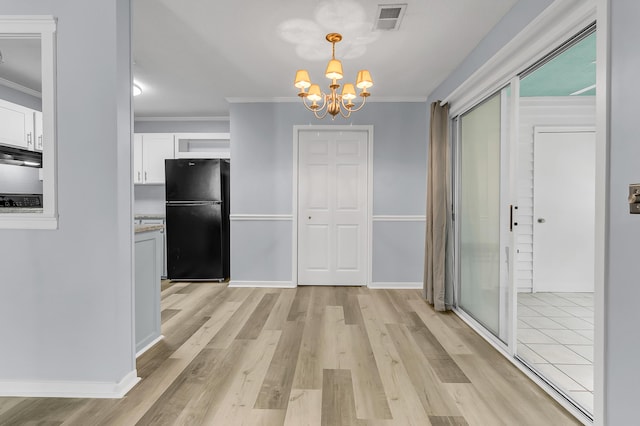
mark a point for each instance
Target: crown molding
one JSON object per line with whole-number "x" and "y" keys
{"x": 217, "y": 118}
{"x": 372, "y": 99}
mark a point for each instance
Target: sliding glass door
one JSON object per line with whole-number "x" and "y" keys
{"x": 483, "y": 287}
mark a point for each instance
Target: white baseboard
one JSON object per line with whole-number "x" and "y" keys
{"x": 397, "y": 285}
{"x": 262, "y": 284}
{"x": 149, "y": 346}
{"x": 64, "y": 389}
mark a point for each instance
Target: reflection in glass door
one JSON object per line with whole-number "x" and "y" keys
{"x": 482, "y": 284}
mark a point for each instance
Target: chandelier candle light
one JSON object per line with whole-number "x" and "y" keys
{"x": 333, "y": 102}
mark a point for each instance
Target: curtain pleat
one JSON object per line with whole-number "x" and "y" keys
{"x": 438, "y": 248}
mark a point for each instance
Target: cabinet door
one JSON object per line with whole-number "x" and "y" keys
{"x": 137, "y": 158}
{"x": 16, "y": 125}
{"x": 38, "y": 130}
{"x": 155, "y": 149}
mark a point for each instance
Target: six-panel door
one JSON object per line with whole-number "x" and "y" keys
{"x": 332, "y": 207}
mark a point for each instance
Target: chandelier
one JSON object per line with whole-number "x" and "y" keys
{"x": 333, "y": 103}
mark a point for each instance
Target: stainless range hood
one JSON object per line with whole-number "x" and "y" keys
{"x": 20, "y": 157}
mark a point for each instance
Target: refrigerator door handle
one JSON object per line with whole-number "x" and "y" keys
{"x": 198, "y": 203}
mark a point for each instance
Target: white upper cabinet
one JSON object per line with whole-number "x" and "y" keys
{"x": 37, "y": 125}
{"x": 150, "y": 151}
{"x": 138, "y": 171}
{"x": 16, "y": 125}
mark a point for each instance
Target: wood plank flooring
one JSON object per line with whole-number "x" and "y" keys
{"x": 308, "y": 356}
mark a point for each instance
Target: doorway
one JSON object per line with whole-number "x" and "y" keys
{"x": 332, "y": 207}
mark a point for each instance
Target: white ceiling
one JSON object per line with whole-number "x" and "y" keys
{"x": 189, "y": 55}
{"x": 20, "y": 62}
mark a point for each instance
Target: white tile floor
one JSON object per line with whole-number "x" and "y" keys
{"x": 555, "y": 336}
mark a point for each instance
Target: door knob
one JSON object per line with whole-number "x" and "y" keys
{"x": 541, "y": 220}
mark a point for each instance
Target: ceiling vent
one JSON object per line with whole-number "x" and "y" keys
{"x": 389, "y": 16}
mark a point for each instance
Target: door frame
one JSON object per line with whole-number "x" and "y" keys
{"x": 294, "y": 193}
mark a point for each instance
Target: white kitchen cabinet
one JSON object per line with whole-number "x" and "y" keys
{"x": 16, "y": 125}
{"x": 137, "y": 159}
{"x": 164, "y": 241}
{"x": 37, "y": 125}
{"x": 149, "y": 152}
{"x": 148, "y": 252}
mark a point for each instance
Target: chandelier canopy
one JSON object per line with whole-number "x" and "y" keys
{"x": 333, "y": 103}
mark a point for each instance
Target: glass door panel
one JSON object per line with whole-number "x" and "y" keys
{"x": 479, "y": 214}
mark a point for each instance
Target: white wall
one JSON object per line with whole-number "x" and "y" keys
{"x": 66, "y": 302}
{"x": 542, "y": 111}
{"x": 149, "y": 199}
{"x": 262, "y": 181}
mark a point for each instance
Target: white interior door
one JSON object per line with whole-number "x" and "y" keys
{"x": 564, "y": 210}
{"x": 332, "y": 207}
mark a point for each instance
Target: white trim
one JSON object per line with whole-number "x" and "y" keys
{"x": 23, "y": 24}
{"x": 218, "y": 118}
{"x": 399, "y": 218}
{"x": 38, "y": 221}
{"x": 557, "y": 23}
{"x": 149, "y": 346}
{"x": 602, "y": 202}
{"x": 46, "y": 27}
{"x": 563, "y": 129}
{"x": 294, "y": 227}
{"x": 67, "y": 389}
{"x": 500, "y": 347}
{"x": 291, "y": 99}
{"x": 20, "y": 88}
{"x": 396, "y": 285}
{"x": 262, "y": 284}
{"x": 259, "y": 217}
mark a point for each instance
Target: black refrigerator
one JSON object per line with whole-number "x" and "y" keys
{"x": 197, "y": 221}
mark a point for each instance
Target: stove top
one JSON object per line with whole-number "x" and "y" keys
{"x": 20, "y": 201}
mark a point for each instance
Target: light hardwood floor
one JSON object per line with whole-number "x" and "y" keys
{"x": 308, "y": 356}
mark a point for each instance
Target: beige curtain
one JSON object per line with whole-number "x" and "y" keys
{"x": 437, "y": 262}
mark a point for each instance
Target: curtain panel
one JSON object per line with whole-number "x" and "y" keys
{"x": 438, "y": 285}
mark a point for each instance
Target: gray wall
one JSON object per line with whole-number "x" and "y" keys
{"x": 66, "y": 303}
{"x": 262, "y": 177}
{"x": 622, "y": 346}
{"x": 187, "y": 126}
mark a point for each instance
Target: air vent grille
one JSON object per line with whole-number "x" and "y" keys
{"x": 389, "y": 16}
